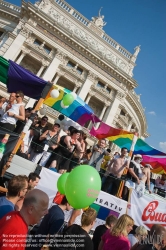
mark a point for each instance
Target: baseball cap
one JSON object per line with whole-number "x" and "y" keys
{"x": 138, "y": 156}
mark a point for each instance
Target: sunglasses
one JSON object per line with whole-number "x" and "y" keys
{"x": 45, "y": 120}
{"x": 17, "y": 96}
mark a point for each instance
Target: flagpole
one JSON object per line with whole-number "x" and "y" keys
{"x": 121, "y": 186}
{"x": 129, "y": 200}
{"x": 44, "y": 93}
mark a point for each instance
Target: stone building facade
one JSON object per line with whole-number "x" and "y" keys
{"x": 53, "y": 40}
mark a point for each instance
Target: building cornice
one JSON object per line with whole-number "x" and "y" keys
{"x": 134, "y": 101}
{"x": 9, "y": 10}
{"x": 55, "y": 35}
{"x": 77, "y": 17}
{"x": 83, "y": 37}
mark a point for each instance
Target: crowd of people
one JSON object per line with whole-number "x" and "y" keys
{"x": 61, "y": 150}
{"x": 25, "y": 220}
{"x": 33, "y": 226}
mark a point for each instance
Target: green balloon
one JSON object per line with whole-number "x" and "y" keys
{"x": 68, "y": 99}
{"x": 61, "y": 183}
{"x": 82, "y": 186}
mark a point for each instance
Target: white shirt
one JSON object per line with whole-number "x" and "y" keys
{"x": 3, "y": 109}
{"x": 27, "y": 141}
{"x": 15, "y": 109}
{"x": 133, "y": 240}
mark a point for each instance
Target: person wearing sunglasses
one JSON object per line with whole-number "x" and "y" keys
{"x": 15, "y": 113}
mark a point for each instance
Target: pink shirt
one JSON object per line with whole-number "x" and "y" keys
{"x": 115, "y": 242}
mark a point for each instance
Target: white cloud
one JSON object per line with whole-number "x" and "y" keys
{"x": 162, "y": 145}
{"x": 152, "y": 113}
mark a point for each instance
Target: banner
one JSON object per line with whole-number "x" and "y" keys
{"x": 147, "y": 210}
{"x": 48, "y": 183}
{"x": 105, "y": 204}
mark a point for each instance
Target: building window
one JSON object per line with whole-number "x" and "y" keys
{"x": 1, "y": 33}
{"x": 71, "y": 64}
{"x": 100, "y": 84}
{"x": 133, "y": 127}
{"x": 37, "y": 42}
{"x": 47, "y": 49}
{"x": 79, "y": 70}
{"x": 108, "y": 90}
{"x": 122, "y": 112}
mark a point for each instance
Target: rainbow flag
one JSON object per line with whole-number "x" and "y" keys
{"x": 78, "y": 111}
{"x": 17, "y": 78}
{"x": 123, "y": 138}
{"x": 141, "y": 147}
{"x": 105, "y": 131}
{"x": 158, "y": 163}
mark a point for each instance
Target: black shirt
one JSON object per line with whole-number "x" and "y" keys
{"x": 135, "y": 169}
{"x": 51, "y": 224}
{"x": 99, "y": 231}
{"x": 138, "y": 246}
{"x": 38, "y": 131}
{"x": 76, "y": 235}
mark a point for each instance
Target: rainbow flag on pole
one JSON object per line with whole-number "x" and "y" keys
{"x": 17, "y": 78}
{"x": 78, "y": 111}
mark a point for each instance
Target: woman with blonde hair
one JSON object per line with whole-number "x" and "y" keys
{"x": 117, "y": 238}
{"x": 140, "y": 234}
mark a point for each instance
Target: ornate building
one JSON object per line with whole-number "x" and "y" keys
{"x": 57, "y": 43}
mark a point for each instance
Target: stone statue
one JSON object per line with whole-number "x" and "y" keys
{"x": 98, "y": 21}
{"x": 137, "y": 50}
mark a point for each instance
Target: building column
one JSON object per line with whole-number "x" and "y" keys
{"x": 56, "y": 79}
{"x": 17, "y": 44}
{"x": 52, "y": 69}
{"x": 103, "y": 113}
{"x": 44, "y": 64}
{"x": 20, "y": 58}
{"x": 59, "y": 73}
{"x": 88, "y": 98}
{"x": 23, "y": 54}
{"x": 130, "y": 125}
{"x": 113, "y": 109}
{"x": 87, "y": 85}
{"x": 77, "y": 85}
{"x": 75, "y": 88}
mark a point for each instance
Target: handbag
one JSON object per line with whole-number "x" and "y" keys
{"x": 40, "y": 147}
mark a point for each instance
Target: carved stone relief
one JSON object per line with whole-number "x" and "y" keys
{"x": 61, "y": 55}
{"x": 25, "y": 51}
{"x": 44, "y": 4}
{"x": 30, "y": 39}
{"x": 25, "y": 31}
{"x": 91, "y": 76}
{"x": 87, "y": 39}
{"x": 120, "y": 95}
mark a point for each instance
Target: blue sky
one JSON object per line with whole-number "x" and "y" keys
{"x": 132, "y": 23}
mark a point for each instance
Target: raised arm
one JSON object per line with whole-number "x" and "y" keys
{"x": 147, "y": 173}
{"x": 43, "y": 136}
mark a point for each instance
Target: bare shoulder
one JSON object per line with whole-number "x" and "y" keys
{"x": 146, "y": 171}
